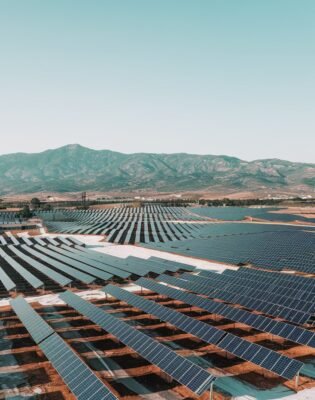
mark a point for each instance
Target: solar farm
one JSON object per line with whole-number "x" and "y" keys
{"x": 10, "y": 221}
{"x": 128, "y": 225}
{"x": 158, "y": 303}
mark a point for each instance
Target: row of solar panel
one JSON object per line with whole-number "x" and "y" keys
{"x": 70, "y": 367}
{"x": 265, "y": 358}
{"x": 130, "y": 231}
{"x": 239, "y": 213}
{"x": 286, "y": 280}
{"x": 182, "y": 370}
{"x": 262, "y": 323}
{"x": 64, "y": 265}
{"x": 213, "y": 291}
{"x": 278, "y": 250}
{"x": 259, "y": 291}
{"x": 8, "y": 238}
{"x": 82, "y": 382}
{"x": 126, "y": 225}
{"x": 272, "y": 282}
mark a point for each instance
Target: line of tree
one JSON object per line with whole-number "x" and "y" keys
{"x": 240, "y": 202}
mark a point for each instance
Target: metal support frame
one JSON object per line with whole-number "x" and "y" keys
{"x": 297, "y": 380}
{"x": 211, "y": 391}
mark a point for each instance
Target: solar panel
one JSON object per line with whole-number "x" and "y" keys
{"x": 6, "y": 281}
{"x": 182, "y": 370}
{"x": 27, "y": 241}
{"x": 64, "y": 240}
{"x": 62, "y": 255}
{"x": 116, "y": 262}
{"x": 97, "y": 263}
{"x": 122, "y": 225}
{"x": 176, "y": 264}
{"x": 76, "y": 241}
{"x": 13, "y": 238}
{"x": 39, "y": 241}
{"x": 257, "y": 289}
{"x": 31, "y": 279}
{"x": 283, "y": 302}
{"x": 55, "y": 276}
{"x": 283, "y": 284}
{"x": 200, "y": 329}
{"x": 37, "y": 327}
{"x": 167, "y": 266}
{"x": 83, "y": 383}
{"x": 208, "y": 333}
{"x": 51, "y": 240}
{"x": 78, "y": 275}
{"x": 79, "y": 256}
{"x": 151, "y": 267}
{"x": 272, "y": 247}
{"x": 3, "y": 241}
{"x": 214, "y": 291}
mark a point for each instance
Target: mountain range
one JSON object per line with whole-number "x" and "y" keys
{"x": 74, "y": 168}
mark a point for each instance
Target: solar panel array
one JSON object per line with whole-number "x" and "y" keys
{"x": 52, "y": 274}
{"x": 82, "y": 382}
{"x": 203, "y": 286}
{"x": 6, "y": 259}
{"x": 88, "y": 271}
{"x": 136, "y": 265}
{"x": 280, "y": 287}
{"x": 9, "y": 239}
{"x": 6, "y": 280}
{"x": 182, "y": 370}
{"x": 9, "y": 217}
{"x": 261, "y": 323}
{"x": 50, "y": 264}
{"x": 145, "y": 224}
{"x": 276, "y": 249}
{"x": 259, "y": 355}
{"x": 37, "y": 327}
{"x": 95, "y": 261}
{"x": 240, "y": 213}
{"x": 255, "y": 289}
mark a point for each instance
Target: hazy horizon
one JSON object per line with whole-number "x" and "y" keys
{"x": 227, "y": 77}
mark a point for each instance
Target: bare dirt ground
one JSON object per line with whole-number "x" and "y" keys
{"x": 207, "y": 194}
{"x": 307, "y": 212}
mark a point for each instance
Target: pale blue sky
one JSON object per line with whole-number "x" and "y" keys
{"x": 232, "y": 77}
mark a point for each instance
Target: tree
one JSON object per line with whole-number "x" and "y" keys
{"x": 26, "y": 212}
{"x": 35, "y": 203}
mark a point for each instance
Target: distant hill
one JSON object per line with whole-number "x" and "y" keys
{"x": 75, "y": 168}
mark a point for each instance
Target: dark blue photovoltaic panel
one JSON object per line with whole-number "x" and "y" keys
{"x": 96, "y": 263}
{"x": 6, "y": 280}
{"x": 241, "y": 348}
{"x": 198, "y": 328}
{"x": 182, "y": 370}
{"x": 28, "y": 276}
{"x": 205, "y": 287}
{"x": 37, "y": 327}
{"x": 259, "y": 322}
{"x": 76, "y": 272}
{"x": 82, "y": 382}
{"x": 52, "y": 274}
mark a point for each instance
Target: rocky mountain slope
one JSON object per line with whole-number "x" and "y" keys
{"x": 75, "y": 168}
